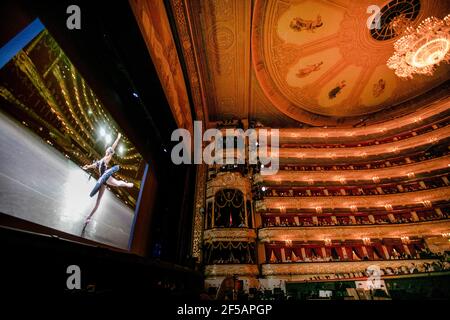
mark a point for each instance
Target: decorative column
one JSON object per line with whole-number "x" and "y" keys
{"x": 199, "y": 211}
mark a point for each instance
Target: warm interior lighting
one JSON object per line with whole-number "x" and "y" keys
{"x": 426, "y": 203}
{"x": 405, "y": 239}
{"x": 421, "y": 50}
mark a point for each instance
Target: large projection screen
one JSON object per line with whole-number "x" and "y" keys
{"x": 54, "y": 140}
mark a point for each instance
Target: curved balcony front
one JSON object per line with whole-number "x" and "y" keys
{"x": 317, "y": 268}
{"x": 343, "y": 135}
{"x": 420, "y": 229}
{"x": 415, "y": 198}
{"x": 388, "y": 174}
{"x": 358, "y": 154}
{"x": 229, "y": 234}
{"x": 219, "y": 270}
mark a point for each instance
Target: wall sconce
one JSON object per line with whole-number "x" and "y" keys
{"x": 327, "y": 242}
{"x": 376, "y": 179}
{"x": 366, "y": 241}
{"x": 318, "y": 209}
{"x": 405, "y": 239}
{"x": 353, "y": 208}
{"x": 388, "y": 207}
{"x": 282, "y": 209}
{"x": 411, "y": 175}
{"x": 288, "y": 242}
{"x": 342, "y": 180}
{"x": 445, "y": 235}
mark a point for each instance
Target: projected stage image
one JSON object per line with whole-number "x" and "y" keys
{"x": 65, "y": 164}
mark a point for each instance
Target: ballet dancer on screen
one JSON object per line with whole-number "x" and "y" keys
{"x": 106, "y": 177}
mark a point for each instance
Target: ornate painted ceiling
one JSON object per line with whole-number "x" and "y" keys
{"x": 286, "y": 63}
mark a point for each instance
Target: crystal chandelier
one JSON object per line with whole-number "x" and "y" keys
{"x": 422, "y": 49}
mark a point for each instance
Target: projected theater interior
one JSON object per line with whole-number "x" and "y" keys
{"x": 57, "y": 139}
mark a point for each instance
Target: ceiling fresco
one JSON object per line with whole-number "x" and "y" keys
{"x": 318, "y": 62}
{"x": 291, "y": 63}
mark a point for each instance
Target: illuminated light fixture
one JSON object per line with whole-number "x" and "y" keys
{"x": 121, "y": 150}
{"x": 353, "y": 208}
{"x": 420, "y": 50}
{"x": 411, "y": 175}
{"x": 445, "y": 235}
{"x": 342, "y": 180}
{"x": 108, "y": 138}
{"x": 311, "y": 181}
{"x": 376, "y": 179}
{"x": 366, "y": 241}
{"x": 102, "y": 132}
{"x": 288, "y": 242}
{"x": 89, "y": 111}
{"x": 319, "y": 209}
{"x": 327, "y": 242}
{"x": 263, "y": 188}
{"x": 405, "y": 239}
{"x": 388, "y": 207}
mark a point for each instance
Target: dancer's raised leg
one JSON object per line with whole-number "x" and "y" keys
{"x": 118, "y": 183}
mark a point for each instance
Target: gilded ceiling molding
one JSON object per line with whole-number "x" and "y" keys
{"x": 334, "y": 267}
{"x": 291, "y": 177}
{"x": 318, "y": 63}
{"x": 231, "y": 269}
{"x": 184, "y": 28}
{"x": 155, "y": 28}
{"x": 380, "y": 201}
{"x": 265, "y": 80}
{"x": 420, "y": 229}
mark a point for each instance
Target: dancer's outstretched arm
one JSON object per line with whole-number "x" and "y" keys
{"x": 116, "y": 142}
{"x": 90, "y": 166}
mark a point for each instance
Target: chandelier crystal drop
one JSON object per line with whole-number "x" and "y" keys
{"x": 421, "y": 50}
